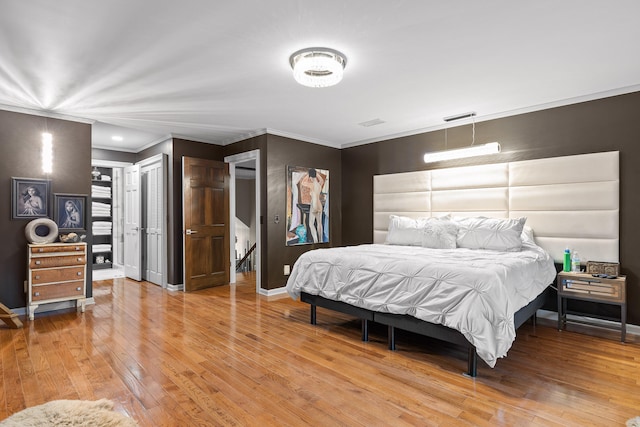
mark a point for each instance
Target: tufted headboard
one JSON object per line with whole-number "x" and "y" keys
{"x": 568, "y": 201}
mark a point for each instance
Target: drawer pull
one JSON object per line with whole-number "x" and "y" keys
{"x": 77, "y": 248}
{"x": 78, "y": 289}
{"x": 40, "y": 250}
{"x": 36, "y": 294}
{"x": 79, "y": 259}
{"x": 37, "y": 277}
{"x": 37, "y": 262}
{"x": 79, "y": 273}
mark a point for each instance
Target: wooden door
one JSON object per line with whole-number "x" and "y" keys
{"x": 132, "y": 217}
{"x": 206, "y": 223}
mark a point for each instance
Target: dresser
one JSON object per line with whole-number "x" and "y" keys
{"x": 56, "y": 272}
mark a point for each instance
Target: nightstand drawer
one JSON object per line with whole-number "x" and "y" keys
{"x": 60, "y": 290}
{"x": 40, "y": 276}
{"x": 585, "y": 286}
{"x": 58, "y": 261}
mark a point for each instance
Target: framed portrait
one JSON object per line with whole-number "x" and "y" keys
{"x": 307, "y": 206}
{"x": 30, "y": 197}
{"x": 70, "y": 212}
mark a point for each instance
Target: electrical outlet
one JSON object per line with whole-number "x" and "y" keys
{"x": 287, "y": 269}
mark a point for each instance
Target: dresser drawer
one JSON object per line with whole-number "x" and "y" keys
{"x": 58, "y": 261}
{"x": 48, "y": 249}
{"x": 40, "y": 276}
{"x": 60, "y": 290}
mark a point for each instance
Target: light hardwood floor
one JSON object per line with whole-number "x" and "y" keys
{"x": 226, "y": 356}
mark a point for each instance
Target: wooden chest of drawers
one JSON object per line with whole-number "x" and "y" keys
{"x": 56, "y": 272}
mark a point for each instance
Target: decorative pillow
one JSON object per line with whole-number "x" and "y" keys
{"x": 405, "y": 231}
{"x": 490, "y": 233}
{"x": 527, "y": 234}
{"x": 439, "y": 233}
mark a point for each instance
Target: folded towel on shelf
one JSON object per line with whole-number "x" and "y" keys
{"x": 101, "y": 232}
{"x": 101, "y": 248}
{"x": 102, "y": 224}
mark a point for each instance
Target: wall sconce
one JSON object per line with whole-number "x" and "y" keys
{"x": 47, "y": 152}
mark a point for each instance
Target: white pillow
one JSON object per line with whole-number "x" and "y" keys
{"x": 527, "y": 234}
{"x": 405, "y": 231}
{"x": 439, "y": 233}
{"x": 490, "y": 233}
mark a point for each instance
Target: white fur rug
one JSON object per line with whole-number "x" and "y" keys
{"x": 633, "y": 422}
{"x": 70, "y": 413}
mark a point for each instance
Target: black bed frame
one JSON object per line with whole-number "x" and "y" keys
{"x": 412, "y": 324}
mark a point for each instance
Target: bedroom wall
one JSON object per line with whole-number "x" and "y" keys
{"x": 602, "y": 125}
{"x": 276, "y": 153}
{"x": 21, "y": 141}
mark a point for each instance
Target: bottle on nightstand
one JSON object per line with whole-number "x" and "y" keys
{"x": 575, "y": 262}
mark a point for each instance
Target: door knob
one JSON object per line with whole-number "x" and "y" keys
{"x": 190, "y": 231}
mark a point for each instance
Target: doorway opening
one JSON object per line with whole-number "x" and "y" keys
{"x": 244, "y": 213}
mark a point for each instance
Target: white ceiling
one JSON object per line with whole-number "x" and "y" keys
{"x": 218, "y": 71}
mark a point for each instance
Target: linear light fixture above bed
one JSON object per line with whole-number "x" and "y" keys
{"x": 459, "y": 153}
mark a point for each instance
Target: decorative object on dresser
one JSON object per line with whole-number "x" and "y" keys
{"x": 56, "y": 272}
{"x": 41, "y": 230}
{"x": 594, "y": 288}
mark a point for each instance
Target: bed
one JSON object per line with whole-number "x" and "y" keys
{"x": 473, "y": 296}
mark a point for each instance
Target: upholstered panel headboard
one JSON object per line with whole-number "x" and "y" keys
{"x": 568, "y": 201}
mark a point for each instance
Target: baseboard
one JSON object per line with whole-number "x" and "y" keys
{"x": 552, "y": 315}
{"x": 174, "y": 288}
{"x": 53, "y": 306}
{"x": 273, "y": 292}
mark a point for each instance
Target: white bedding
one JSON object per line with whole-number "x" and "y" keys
{"x": 473, "y": 291}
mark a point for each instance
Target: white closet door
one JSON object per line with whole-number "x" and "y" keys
{"x": 153, "y": 222}
{"x": 132, "y": 217}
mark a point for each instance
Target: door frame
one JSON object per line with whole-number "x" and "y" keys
{"x": 163, "y": 159}
{"x": 232, "y": 160}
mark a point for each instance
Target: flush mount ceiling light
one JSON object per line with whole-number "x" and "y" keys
{"x": 318, "y": 66}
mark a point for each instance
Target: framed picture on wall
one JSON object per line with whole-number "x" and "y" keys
{"x": 30, "y": 197}
{"x": 70, "y": 212}
{"x": 307, "y": 206}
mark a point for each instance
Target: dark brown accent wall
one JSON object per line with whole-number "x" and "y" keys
{"x": 609, "y": 124}
{"x": 283, "y": 152}
{"x": 21, "y": 141}
{"x": 276, "y": 153}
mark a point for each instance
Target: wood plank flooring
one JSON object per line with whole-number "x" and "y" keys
{"x": 226, "y": 356}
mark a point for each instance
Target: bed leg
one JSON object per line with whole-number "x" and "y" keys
{"x": 392, "y": 338}
{"x": 313, "y": 314}
{"x": 534, "y": 319}
{"x": 472, "y": 363}
{"x": 365, "y": 330}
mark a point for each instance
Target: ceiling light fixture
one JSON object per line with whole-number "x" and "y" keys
{"x": 460, "y": 153}
{"x": 318, "y": 66}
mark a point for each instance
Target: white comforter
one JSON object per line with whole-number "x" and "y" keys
{"x": 475, "y": 292}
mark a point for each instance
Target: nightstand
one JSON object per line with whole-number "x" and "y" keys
{"x": 585, "y": 287}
